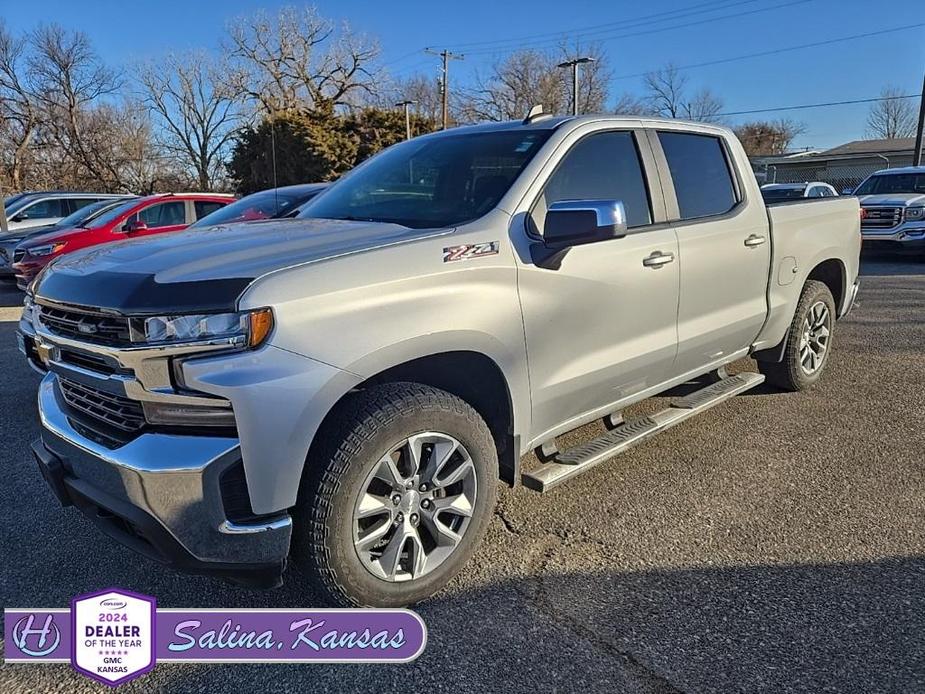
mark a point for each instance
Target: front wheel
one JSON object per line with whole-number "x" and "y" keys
{"x": 809, "y": 342}
{"x": 396, "y": 499}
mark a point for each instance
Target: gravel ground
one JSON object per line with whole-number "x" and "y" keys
{"x": 775, "y": 543}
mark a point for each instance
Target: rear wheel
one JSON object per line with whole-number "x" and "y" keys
{"x": 397, "y": 499}
{"x": 808, "y": 343}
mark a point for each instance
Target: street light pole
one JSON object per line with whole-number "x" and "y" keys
{"x": 574, "y": 65}
{"x": 407, "y": 105}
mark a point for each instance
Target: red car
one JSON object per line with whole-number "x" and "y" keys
{"x": 154, "y": 214}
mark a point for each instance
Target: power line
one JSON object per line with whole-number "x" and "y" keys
{"x": 776, "y": 51}
{"x": 634, "y": 34}
{"x": 828, "y": 103}
{"x": 623, "y": 23}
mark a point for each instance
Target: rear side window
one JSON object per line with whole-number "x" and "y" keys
{"x": 77, "y": 203}
{"x": 204, "y": 207}
{"x": 603, "y": 166}
{"x": 702, "y": 180}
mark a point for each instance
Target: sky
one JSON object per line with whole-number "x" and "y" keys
{"x": 636, "y": 36}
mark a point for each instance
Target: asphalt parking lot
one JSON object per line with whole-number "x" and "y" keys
{"x": 775, "y": 543}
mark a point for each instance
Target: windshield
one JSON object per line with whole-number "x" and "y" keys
{"x": 8, "y": 202}
{"x": 110, "y": 215}
{"x": 893, "y": 183}
{"x": 86, "y": 213}
{"x": 776, "y": 194}
{"x": 266, "y": 204}
{"x": 431, "y": 182}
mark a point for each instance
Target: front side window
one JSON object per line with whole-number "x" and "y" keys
{"x": 164, "y": 214}
{"x": 702, "y": 180}
{"x": 51, "y": 208}
{"x": 432, "y": 182}
{"x": 603, "y": 166}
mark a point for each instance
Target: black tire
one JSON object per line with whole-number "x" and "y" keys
{"x": 367, "y": 427}
{"x": 789, "y": 373}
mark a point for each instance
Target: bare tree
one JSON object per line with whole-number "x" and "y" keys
{"x": 198, "y": 111}
{"x": 669, "y": 96}
{"x": 529, "y": 77}
{"x": 19, "y": 116}
{"x": 768, "y": 137}
{"x": 69, "y": 80}
{"x": 630, "y": 105}
{"x": 893, "y": 117}
{"x": 298, "y": 58}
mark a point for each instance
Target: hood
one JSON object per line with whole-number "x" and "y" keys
{"x": 204, "y": 269}
{"x": 42, "y": 236}
{"x": 892, "y": 200}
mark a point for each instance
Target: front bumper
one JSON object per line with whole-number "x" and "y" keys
{"x": 906, "y": 237}
{"x": 161, "y": 495}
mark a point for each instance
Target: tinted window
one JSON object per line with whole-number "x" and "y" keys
{"x": 815, "y": 192}
{"x": 431, "y": 182}
{"x": 44, "y": 209}
{"x": 77, "y": 203}
{"x": 702, "y": 181}
{"x": 164, "y": 215}
{"x": 604, "y": 166}
{"x": 204, "y": 207}
{"x": 778, "y": 194}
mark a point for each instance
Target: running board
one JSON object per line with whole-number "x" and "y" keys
{"x": 574, "y": 461}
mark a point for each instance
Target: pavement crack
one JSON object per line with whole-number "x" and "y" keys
{"x": 506, "y": 522}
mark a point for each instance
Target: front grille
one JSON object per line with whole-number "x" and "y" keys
{"x": 114, "y": 411}
{"x": 881, "y": 217}
{"x": 18, "y": 255}
{"x": 93, "y": 362}
{"x": 85, "y": 325}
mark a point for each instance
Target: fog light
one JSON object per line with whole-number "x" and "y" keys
{"x": 173, "y": 414}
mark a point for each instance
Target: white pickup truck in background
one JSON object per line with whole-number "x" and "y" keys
{"x": 345, "y": 388}
{"x": 893, "y": 210}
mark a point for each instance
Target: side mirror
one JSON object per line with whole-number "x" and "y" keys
{"x": 19, "y": 218}
{"x": 135, "y": 226}
{"x": 577, "y": 222}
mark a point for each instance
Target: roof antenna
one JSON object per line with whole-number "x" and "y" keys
{"x": 536, "y": 113}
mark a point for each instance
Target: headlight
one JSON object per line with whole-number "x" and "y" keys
{"x": 252, "y": 326}
{"x": 915, "y": 213}
{"x": 40, "y": 251}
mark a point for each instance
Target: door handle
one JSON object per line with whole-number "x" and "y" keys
{"x": 754, "y": 240}
{"x": 657, "y": 259}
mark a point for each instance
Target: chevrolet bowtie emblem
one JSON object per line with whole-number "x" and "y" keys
{"x": 44, "y": 352}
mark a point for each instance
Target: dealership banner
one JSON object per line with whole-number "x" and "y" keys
{"x": 114, "y": 635}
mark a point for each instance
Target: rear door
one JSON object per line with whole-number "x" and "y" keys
{"x": 725, "y": 248}
{"x": 602, "y": 326}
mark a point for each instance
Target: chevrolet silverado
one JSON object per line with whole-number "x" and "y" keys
{"x": 343, "y": 390}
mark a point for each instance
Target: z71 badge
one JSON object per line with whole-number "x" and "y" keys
{"x": 469, "y": 251}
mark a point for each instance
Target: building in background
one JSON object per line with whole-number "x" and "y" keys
{"x": 843, "y": 167}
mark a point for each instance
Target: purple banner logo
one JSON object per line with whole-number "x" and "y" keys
{"x": 114, "y": 635}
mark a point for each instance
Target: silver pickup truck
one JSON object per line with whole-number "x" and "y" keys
{"x": 344, "y": 390}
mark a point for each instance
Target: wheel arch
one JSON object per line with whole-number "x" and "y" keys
{"x": 832, "y": 273}
{"x": 470, "y": 375}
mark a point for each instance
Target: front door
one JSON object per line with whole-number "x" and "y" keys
{"x": 603, "y": 326}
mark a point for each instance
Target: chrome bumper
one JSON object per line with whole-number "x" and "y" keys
{"x": 172, "y": 479}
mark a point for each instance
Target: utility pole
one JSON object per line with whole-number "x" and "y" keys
{"x": 917, "y": 154}
{"x": 574, "y": 65}
{"x": 407, "y": 104}
{"x": 444, "y": 84}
